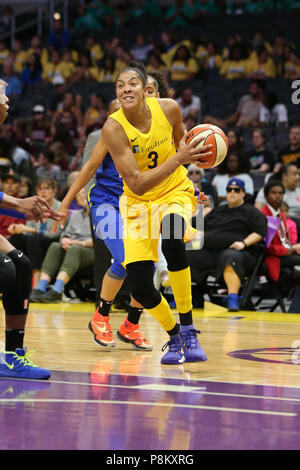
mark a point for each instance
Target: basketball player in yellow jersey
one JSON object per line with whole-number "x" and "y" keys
{"x": 142, "y": 138}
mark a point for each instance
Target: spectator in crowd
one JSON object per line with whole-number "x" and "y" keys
{"x": 281, "y": 252}
{"x": 94, "y": 48}
{"x": 183, "y": 66}
{"x": 234, "y": 165}
{"x": 262, "y": 66}
{"x": 248, "y": 109}
{"x": 36, "y": 46}
{"x": 60, "y": 90}
{"x": 291, "y": 152}
{"x": 64, "y": 258}
{"x": 4, "y": 52}
{"x": 235, "y": 141}
{"x": 34, "y": 238}
{"x": 26, "y": 187}
{"x": 155, "y": 62}
{"x": 140, "y": 49}
{"x": 11, "y": 186}
{"x": 32, "y": 72}
{"x": 14, "y": 85}
{"x": 291, "y": 225}
{"x": 68, "y": 113}
{"x": 197, "y": 176}
{"x": 260, "y": 158}
{"x": 40, "y": 129}
{"x": 180, "y": 14}
{"x": 20, "y": 56}
{"x": 231, "y": 233}
{"x": 46, "y": 167}
{"x": 290, "y": 66}
{"x": 237, "y": 65}
{"x": 107, "y": 70}
{"x": 211, "y": 59}
{"x": 92, "y": 117}
{"x": 272, "y": 112}
{"x": 190, "y": 121}
{"x": 54, "y": 67}
{"x": 85, "y": 72}
{"x": 86, "y": 19}
{"x": 61, "y": 158}
{"x": 189, "y": 104}
{"x": 289, "y": 176}
{"x": 58, "y": 37}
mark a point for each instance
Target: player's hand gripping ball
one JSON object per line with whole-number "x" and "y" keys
{"x": 212, "y": 135}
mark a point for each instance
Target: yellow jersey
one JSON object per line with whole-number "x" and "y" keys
{"x": 152, "y": 149}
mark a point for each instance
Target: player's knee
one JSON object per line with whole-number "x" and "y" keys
{"x": 174, "y": 252}
{"x": 140, "y": 276}
{"x": 117, "y": 271}
{"x": 22, "y": 264}
{"x": 147, "y": 296}
{"x": 7, "y": 274}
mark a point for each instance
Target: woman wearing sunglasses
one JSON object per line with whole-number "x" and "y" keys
{"x": 231, "y": 232}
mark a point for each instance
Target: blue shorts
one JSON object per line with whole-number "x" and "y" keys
{"x": 107, "y": 226}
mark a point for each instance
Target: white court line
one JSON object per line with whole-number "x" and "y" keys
{"x": 177, "y": 389}
{"x": 173, "y": 405}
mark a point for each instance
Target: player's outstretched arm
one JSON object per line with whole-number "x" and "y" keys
{"x": 84, "y": 176}
{"x": 117, "y": 144}
{"x": 34, "y": 207}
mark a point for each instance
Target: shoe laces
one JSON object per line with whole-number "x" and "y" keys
{"x": 190, "y": 339}
{"x": 174, "y": 345}
{"x": 24, "y": 360}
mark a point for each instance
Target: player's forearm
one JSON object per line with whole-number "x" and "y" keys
{"x": 9, "y": 202}
{"x": 140, "y": 183}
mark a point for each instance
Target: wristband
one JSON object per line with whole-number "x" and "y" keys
{"x": 245, "y": 244}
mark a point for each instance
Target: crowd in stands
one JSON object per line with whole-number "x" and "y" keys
{"x": 43, "y": 146}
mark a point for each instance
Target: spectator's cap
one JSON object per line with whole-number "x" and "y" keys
{"x": 14, "y": 176}
{"x": 58, "y": 80}
{"x": 236, "y": 182}
{"x": 38, "y": 108}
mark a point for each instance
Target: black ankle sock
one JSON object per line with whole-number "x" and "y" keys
{"x": 134, "y": 314}
{"x": 174, "y": 331}
{"x": 104, "y": 307}
{"x": 186, "y": 319}
{"x": 14, "y": 339}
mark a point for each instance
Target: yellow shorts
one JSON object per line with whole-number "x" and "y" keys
{"x": 142, "y": 220}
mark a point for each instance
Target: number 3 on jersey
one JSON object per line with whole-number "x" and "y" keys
{"x": 153, "y": 156}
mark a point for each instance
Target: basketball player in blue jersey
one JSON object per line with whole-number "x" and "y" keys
{"x": 103, "y": 199}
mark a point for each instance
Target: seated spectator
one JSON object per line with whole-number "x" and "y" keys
{"x": 237, "y": 65}
{"x": 40, "y": 129}
{"x": 281, "y": 252}
{"x": 155, "y": 63}
{"x": 64, "y": 258}
{"x": 107, "y": 70}
{"x": 38, "y": 48}
{"x": 61, "y": 158}
{"x": 189, "y": 103}
{"x": 32, "y": 71}
{"x": 261, "y": 159}
{"x": 11, "y": 186}
{"x": 58, "y": 37}
{"x": 273, "y": 113}
{"x": 60, "y": 90}
{"x": 211, "y": 59}
{"x": 248, "y": 109}
{"x": 289, "y": 176}
{"x": 197, "y": 176}
{"x": 69, "y": 59}
{"x": 19, "y": 55}
{"x": 14, "y": 85}
{"x": 234, "y": 165}
{"x": 206, "y": 7}
{"x": 190, "y": 121}
{"x": 183, "y": 66}
{"x": 262, "y": 66}
{"x": 291, "y": 152}
{"x": 85, "y": 72}
{"x": 140, "y": 48}
{"x": 86, "y": 19}
{"x": 92, "y": 118}
{"x": 21, "y": 136}
{"x": 180, "y": 14}
{"x": 4, "y": 52}
{"x": 235, "y": 141}
{"x": 46, "y": 168}
{"x": 94, "y": 48}
{"x": 54, "y": 67}
{"x": 291, "y": 225}
{"x": 26, "y": 187}
{"x": 231, "y": 232}
{"x": 34, "y": 238}
{"x": 290, "y": 67}
{"x": 69, "y": 113}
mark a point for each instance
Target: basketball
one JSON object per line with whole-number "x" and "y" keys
{"x": 214, "y": 136}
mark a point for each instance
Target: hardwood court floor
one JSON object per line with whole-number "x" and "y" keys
{"x": 246, "y": 396}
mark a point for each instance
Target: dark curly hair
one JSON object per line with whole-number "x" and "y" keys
{"x": 161, "y": 83}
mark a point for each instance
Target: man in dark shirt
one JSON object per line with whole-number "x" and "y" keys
{"x": 291, "y": 152}
{"x": 230, "y": 235}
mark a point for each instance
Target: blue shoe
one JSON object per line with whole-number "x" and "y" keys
{"x": 233, "y": 303}
{"x": 191, "y": 347}
{"x": 174, "y": 355}
{"x": 16, "y": 365}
